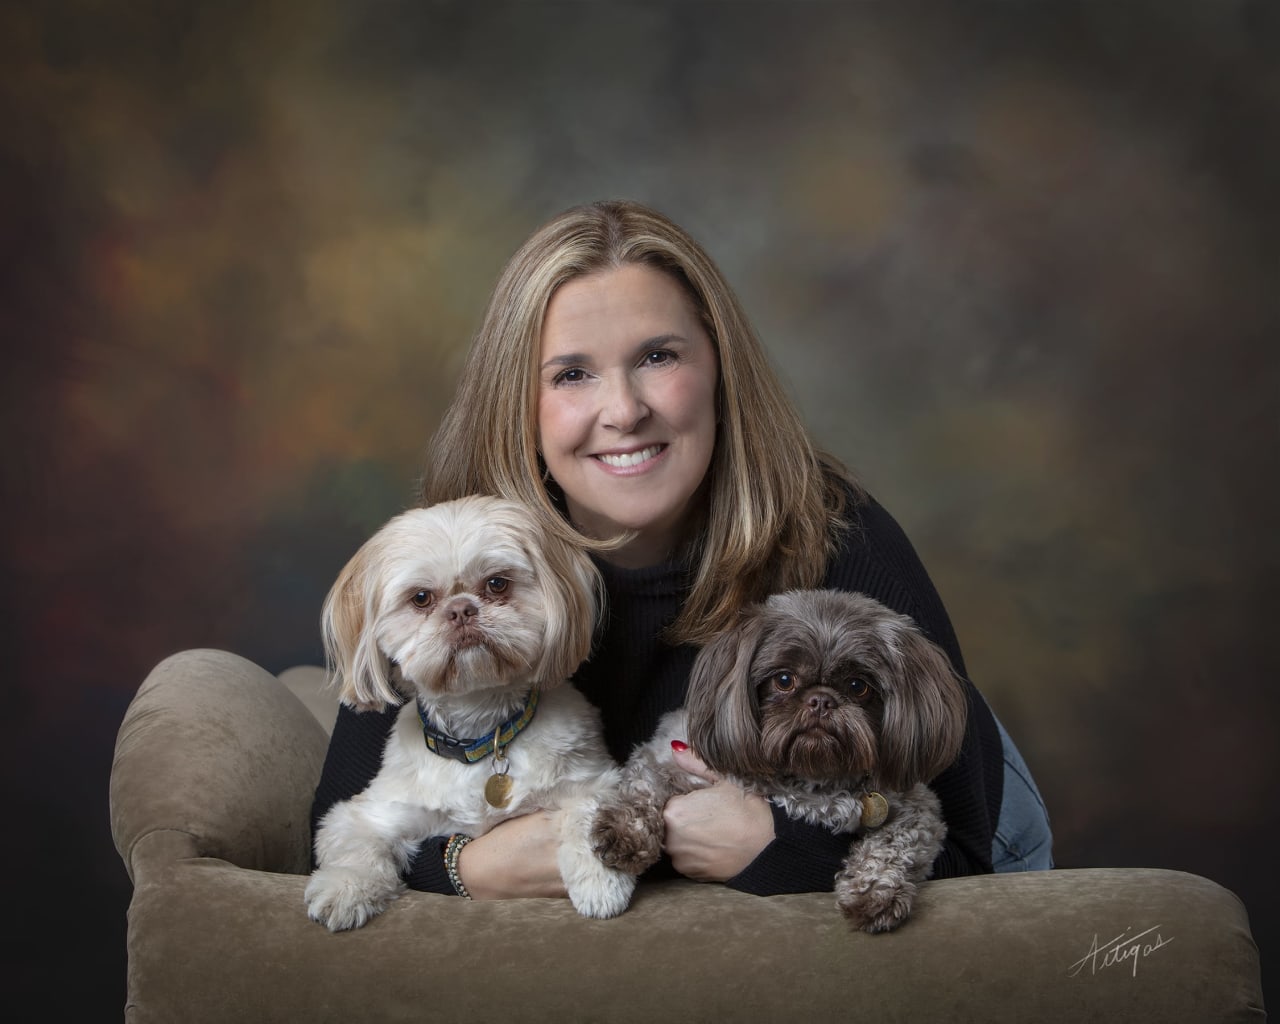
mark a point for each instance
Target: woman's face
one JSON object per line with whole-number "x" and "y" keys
{"x": 627, "y": 406}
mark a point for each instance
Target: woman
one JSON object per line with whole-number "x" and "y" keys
{"x": 616, "y": 387}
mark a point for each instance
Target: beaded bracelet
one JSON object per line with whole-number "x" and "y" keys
{"x": 451, "y": 851}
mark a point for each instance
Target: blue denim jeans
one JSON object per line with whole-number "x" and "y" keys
{"x": 1023, "y": 840}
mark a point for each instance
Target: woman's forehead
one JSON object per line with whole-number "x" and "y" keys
{"x": 628, "y": 303}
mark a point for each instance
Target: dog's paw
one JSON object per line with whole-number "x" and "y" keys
{"x": 341, "y": 898}
{"x": 606, "y": 894}
{"x": 880, "y": 906}
{"x": 626, "y": 841}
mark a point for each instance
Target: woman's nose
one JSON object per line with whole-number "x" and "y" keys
{"x": 624, "y": 406}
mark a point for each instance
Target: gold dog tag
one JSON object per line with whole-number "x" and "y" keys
{"x": 875, "y": 809}
{"x": 497, "y": 791}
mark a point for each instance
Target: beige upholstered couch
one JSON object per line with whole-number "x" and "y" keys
{"x": 214, "y": 769}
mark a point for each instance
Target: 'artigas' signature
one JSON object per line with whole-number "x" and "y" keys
{"x": 1122, "y": 948}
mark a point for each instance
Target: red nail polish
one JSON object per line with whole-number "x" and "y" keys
{"x": 679, "y": 745}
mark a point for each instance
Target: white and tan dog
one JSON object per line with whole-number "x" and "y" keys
{"x": 472, "y": 612}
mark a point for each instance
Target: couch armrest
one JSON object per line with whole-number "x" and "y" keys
{"x": 215, "y": 758}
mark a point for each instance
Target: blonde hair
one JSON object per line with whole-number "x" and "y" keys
{"x": 773, "y": 502}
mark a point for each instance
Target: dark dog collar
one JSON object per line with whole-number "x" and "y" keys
{"x": 470, "y": 751}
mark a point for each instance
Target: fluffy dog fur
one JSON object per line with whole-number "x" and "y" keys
{"x": 464, "y": 607}
{"x": 815, "y": 700}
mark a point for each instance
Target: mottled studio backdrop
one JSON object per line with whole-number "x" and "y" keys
{"x": 1017, "y": 262}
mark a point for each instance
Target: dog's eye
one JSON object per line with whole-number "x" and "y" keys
{"x": 422, "y": 599}
{"x": 783, "y": 681}
{"x": 496, "y": 585}
{"x": 859, "y": 688}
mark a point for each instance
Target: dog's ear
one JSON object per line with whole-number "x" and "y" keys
{"x": 350, "y": 646}
{"x": 925, "y": 709}
{"x": 724, "y": 720}
{"x": 572, "y": 592}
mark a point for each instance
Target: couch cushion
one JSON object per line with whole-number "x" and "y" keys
{"x": 211, "y": 942}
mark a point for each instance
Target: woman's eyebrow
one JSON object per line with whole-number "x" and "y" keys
{"x": 661, "y": 340}
{"x": 568, "y": 359}
{"x": 581, "y": 359}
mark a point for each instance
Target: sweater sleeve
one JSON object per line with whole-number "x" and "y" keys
{"x": 352, "y": 760}
{"x": 801, "y": 858}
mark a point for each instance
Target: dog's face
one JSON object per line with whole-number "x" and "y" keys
{"x": 462, "y": 596}
{"x": 826, "y": 686}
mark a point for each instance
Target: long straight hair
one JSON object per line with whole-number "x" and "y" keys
{"x": 772, "y": 502}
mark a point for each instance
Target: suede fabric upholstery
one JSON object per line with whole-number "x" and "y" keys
{"x": 213, "y": 747}
{"x": 210, "y": 793}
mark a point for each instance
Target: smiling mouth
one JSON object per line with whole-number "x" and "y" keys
{"x": 629, "y": 459}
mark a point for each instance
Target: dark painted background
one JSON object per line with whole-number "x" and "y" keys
{"x": 1017, "y": 262}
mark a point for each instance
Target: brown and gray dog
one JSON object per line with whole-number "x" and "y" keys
{"x": 835, "y": 709}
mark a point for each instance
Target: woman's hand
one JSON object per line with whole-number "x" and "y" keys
{"x": 714, "y": 833}
{"x": 516, "y": 858}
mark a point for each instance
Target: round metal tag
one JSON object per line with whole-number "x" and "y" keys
{"x": 497, "y": 791}
{"x": 875, "y": 809}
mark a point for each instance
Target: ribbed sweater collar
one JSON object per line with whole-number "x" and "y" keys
{"x": 667, "y": 579}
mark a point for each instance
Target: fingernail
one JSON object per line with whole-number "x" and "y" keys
{"x": 679, "y": 745}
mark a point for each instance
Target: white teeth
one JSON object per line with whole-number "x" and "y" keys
{"x": 631, "y": 458}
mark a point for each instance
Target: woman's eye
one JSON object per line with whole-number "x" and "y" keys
{"x": 496, "y": 585}
{"x": 573, "y": 375}
{"x": 659, "y": 357}
{"x": 422, "y": 599}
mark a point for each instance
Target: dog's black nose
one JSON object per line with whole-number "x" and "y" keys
{"x": 821, "y": 701}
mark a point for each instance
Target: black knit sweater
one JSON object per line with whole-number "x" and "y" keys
{"x": 634, "y": 678}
